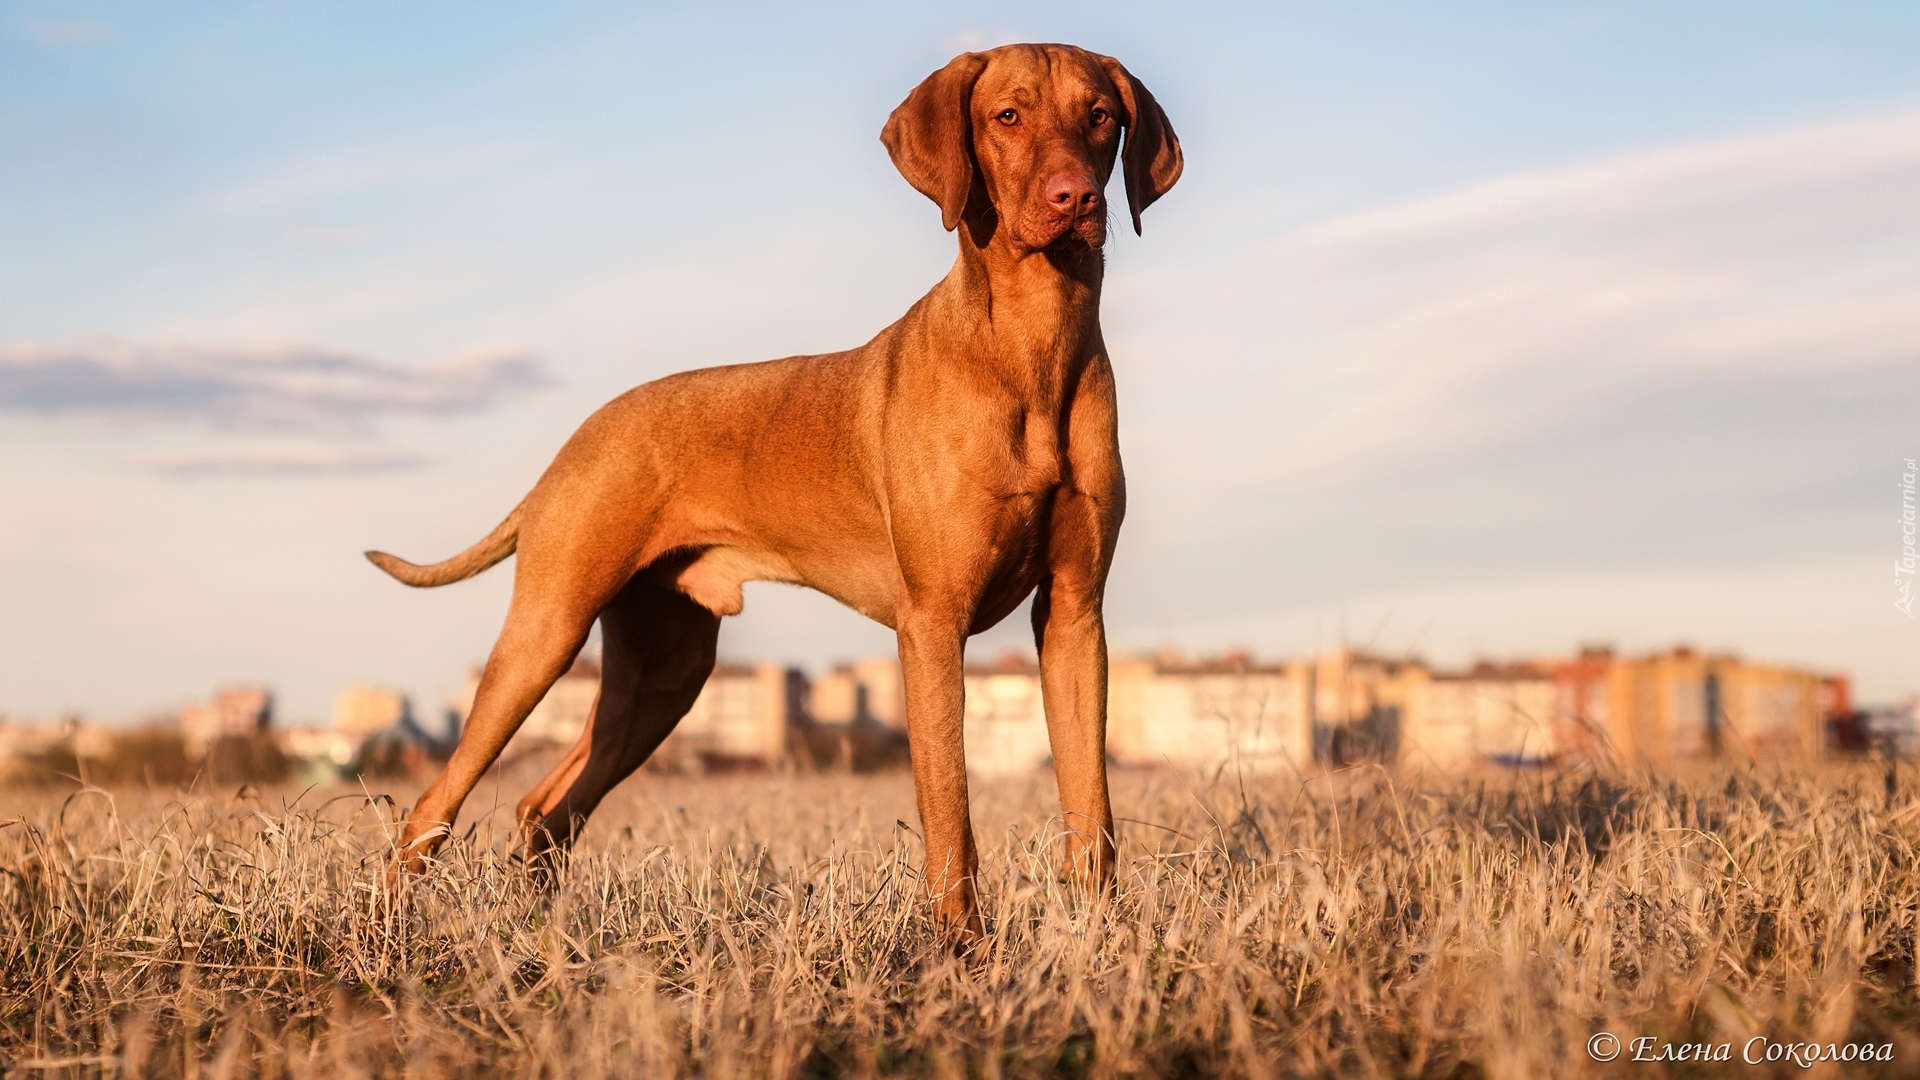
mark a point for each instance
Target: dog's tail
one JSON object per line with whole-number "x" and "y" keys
{"x": 497, "y": 545}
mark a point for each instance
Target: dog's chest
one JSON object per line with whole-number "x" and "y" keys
{"x": 1028, "y": 479}
{"x": 1036, "y": 462}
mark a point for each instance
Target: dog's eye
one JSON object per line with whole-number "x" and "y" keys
{"x": 1009, "y": 118}
{"x": 1099, "y": 117}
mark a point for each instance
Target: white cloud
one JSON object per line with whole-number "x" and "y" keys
{"x": 233, "y": 389}
{"x": 979, "y": 39}
{"x": 54, "y": 33}
{"x": 360, "y": 169}
{"x": 1658, "y": 361}
{"x": 275, "y": 460}
{"x": 1796, "y": 252}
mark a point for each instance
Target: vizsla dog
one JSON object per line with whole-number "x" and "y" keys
{"x": 931, "y": 479}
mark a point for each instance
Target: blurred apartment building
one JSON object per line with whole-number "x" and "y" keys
{"x": 1682, "y": 705}
{"x": 234, "y": 712}
{"x": 1340, "y": 708}
{"x": 1347, "y": 707}
{"x": 741, "y": 717}
{"x": 1232, "y": 711}
{"x": 1209, "y": 713}
{"x": 1658, "y": 709}
{"x": 225, "y": 738}
{"x": 559, "y": 718}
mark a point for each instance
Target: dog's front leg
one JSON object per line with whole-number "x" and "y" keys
{"x": 931, "y": 651}
{"x": 1070, "y": 633}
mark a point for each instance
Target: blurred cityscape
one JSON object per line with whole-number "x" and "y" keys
{"x": 1234, "y": 711}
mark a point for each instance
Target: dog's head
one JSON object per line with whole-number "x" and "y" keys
{"x": 1028, "y": 134}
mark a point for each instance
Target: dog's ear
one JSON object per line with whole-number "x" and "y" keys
{"x": 1151, "y": 159}
{"x": 930, "y": 136}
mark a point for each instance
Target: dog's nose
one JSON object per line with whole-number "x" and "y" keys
{"x": 1072, "y": 194}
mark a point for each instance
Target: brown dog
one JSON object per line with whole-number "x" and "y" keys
{"x": 930, "y": 479}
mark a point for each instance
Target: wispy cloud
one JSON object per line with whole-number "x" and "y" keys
{"x": 359, "y": 169}
{"x": 306, "y": 389}
{"x": 978, "y": 39}
{"x": 54, "y": 33}
{"x": 1659, "y": 359}
{"x": 276, "y": 460}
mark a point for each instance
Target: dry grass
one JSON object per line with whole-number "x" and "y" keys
{"x": 771, "y": 926}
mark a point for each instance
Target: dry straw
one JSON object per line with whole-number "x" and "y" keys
{"x": 1350, "y": 925}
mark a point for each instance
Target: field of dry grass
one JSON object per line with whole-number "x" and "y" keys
{"x": 1357, "y": 924}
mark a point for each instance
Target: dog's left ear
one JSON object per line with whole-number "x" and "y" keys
{"x": 930, "y": 136}
{"x": 1151, "y": 159}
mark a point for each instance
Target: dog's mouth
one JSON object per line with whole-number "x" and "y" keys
{"x": 1084, "y": 232}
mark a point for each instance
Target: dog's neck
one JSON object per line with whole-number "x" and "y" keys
{"x": 1034, "y": 315}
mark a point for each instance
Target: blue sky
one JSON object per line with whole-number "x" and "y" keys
{"x": 1469, "y": 328}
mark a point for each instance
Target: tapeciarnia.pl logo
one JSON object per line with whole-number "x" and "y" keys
{"x": 1903, "y": 566}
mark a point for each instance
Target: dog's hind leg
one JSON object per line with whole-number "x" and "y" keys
{"x": 544, "y": 631}
{"x": 659, "y": 648}
{"x": 531, "y": 806}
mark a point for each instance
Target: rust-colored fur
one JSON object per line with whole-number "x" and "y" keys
{"x": 931, "y": 479}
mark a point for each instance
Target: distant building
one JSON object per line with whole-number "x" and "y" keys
{"x": 1764, "y": 711}
{"x": 1656, "y": 709}
{"x": 1165, "y": 710}
{"x": 562, "y": 716}
{"x": 865, "y": 691}
{"x": 1340, "y": 708}
{"x": 1005, "y": 723}
{"x": 886, "y": 699}
{"x": 1504, "y": 714}
{"x": 87, "y": 739}
{"x": 234, "y": 712}
{"x": 1583, "y": 705}
{"x": 838, "y": 697}
{"x": 19, "y": 741}
{"x": 1681, "y": 705}
{"x": 331, "y": 746}
{"x": 1360, "y": 705}
{"x": 559, "y": 719}
{"x": 1210, "y": 713}
{"x": 72, "y": 747}
{"x": 851, "y": 719}
{"x": 1893, "y": 729}
{"x": 361, "y": 711}
{"x": 740, "y": 719}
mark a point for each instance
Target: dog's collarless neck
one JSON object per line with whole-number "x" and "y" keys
{"x": 1035, "y": 317}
